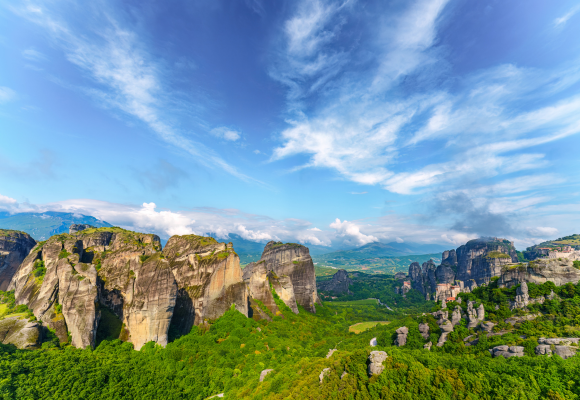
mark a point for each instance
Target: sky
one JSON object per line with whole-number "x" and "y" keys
{"x": 333, "y": 123}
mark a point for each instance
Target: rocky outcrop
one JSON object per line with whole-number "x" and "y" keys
{"x": 416, "y": 277}
{"x": 75, "y": 228}
{"x": 449, "y": 257}
{"x": 325, "y": 372}
{"x": 14, "y": 247}
{"x": 446, "y": 328}
{"x": 429, "y": 279}
{"x": 20, "y": 332}
{"x": 507, "y": 351}
{"x": 487, "y": 326}
{"x": 338, "y": 284}
{"x": 376, "y": 359}
{"x": 424, "y": 330}
{"x": 482, "y": 259}
{"x": 400, "y": 276}
{"x": 151, "y": 292}
{"x": 264, "y": 373}
{"x": 540, "y": 271}
{"x": 290, "y": 269}
{"x": 445, "y": 274}
{"x": 456, "y": 316}
{"x": 401, "y": 338}
{"x": 257, "y": 279}
{"x": 565, "y": 351}
{"x": 474, "y": 316}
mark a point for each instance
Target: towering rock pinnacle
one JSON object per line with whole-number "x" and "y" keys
{"x": 338, "y": 284}
{"x": 481, "y": 259}
{"x": 14, "y": 247}
{"x": 290, "y": 270}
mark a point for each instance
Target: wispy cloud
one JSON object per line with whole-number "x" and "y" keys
{"x": 561, "y": 21}
{"x": 226, "y": 133}
{"x": 365, "y": 131}
{"x": 6, "y": 94}
{"x": 32, "y": 54}
{"x": 124, "y": 75}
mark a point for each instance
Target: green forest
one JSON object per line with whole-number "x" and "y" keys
{"x": 228, "y": 355}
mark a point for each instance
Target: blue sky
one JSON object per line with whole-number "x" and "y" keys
{"x": 334, "y": 123}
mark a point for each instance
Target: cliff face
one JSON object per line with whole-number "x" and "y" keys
{"x": 482, "y": 259}
{"x": 290, "y": 269}
{"x": 148, "y": 290}
{"x": 14, "y": 247}
{"x": 338, "y": 284}
{"x": 540, "y": 271}
{"x": 416, "y": 277}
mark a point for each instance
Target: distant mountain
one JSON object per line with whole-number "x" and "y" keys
{"x": 41, "y": 226}
{"x": 378, "y": 249}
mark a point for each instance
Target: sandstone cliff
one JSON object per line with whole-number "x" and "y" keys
{"x": 14, "y": 247}
{"x": 540, "y": 271}
{"x": 290, "y": 270}
{"x": 148, "y": 290}
{"x": 482, "y": 259}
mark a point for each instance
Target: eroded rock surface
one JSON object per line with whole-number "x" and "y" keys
{"x": 290, "y": 269}
{"x": 507, "y": 351}
{"x": 264, "y": 373}
{"x": 339, "y": 283}
{"x": 20, "y": 332}
{"x": 147, "y": 290}
{"x": 424, "y": 330}
{"x": 376, "y": 359}
{"x": 14, "y": 247}
{"x": 401, "y": 338}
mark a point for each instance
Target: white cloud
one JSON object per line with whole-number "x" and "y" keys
{"x": 226, "y": 133}
{"x": 543, "y": 232}
{"x": 561, "y": 21}
{"x": 32, "y": 54}
{"x": 358, "y": 192}
{"x": 7, "y": 200}
{"x": 399, "y": 240}
{"x": 350, "y": 231}
{"x": 6, "y": 94}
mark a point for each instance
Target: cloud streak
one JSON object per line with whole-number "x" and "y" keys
{"x": 124, "y": 75}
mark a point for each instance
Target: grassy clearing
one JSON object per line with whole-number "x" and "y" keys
{"x": 363, "y": 326}
{"x": 3, "y": 308}
{"x": 366, "y": 302}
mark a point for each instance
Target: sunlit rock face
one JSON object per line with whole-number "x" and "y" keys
{"x": 149, "y": 291}
{"x": 289, "y": 268}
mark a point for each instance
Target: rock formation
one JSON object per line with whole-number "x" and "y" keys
{"x": 290, "y": 271}
{"x": 324, "y": 373}
{"x": 522, "y": 298}
{"x": 75, "y": 228}
{"x": 376, "y": 359}
{"x": 400, "y": 276}
{"x": 401, "y": 338}
{"x": 456, "y": 316}
{"x": 193, "y": 279}
{"x": 416, "y": 277}
{"x": 14, "y": 247}
{"x": 428, "y": 345}
{"x": 449, "y": 257}
{"x": 474, "y": 316}
{"x": 264, "y": 373}
{"x": 487, "y": 326}
{"x": 564, "y": 347}
{"x": 481, "y": 259}
{"x": 540, "y": 271}
{"x": 20, "y": 332}
{"x": 507, "y": 351}
{"x": 338, "y": 284}
{"x": 446, "y": 328}
{"x": 424, "y": 330}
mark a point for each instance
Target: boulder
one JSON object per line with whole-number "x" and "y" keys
{"x": 456, "y": 316}
{"x": 428, "y": 345}
{"x": 446, "y": 327}
{"x": 373, "y": 342}
{"x": 20, "y": 332}
{"x": 562, "y": 341}
{"x": 401, "y": 338}
{"x": 376, "y": 359}
{"x": 487, "y": 326}
{"x": 264, "y": 373}
{"x": 565, "y": 351}
{"x": 14, "y": 247}
{"x": 507, "y": 351}
{"x": 543, "y": 349}
{"x": 424, "y": 330}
